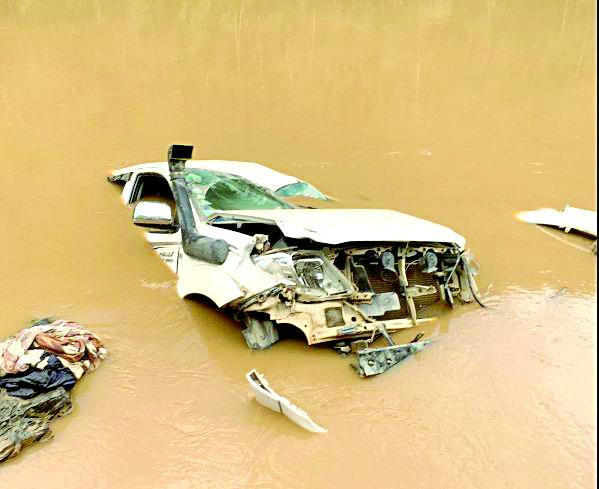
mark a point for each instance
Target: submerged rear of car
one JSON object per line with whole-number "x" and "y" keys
{"x": 337, "y": 275}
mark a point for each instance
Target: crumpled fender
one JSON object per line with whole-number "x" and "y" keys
{"x": 217, "y": 282}
{"x": 211, "y": 283}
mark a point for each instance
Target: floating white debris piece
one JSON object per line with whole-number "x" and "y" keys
{"x": 581, "y": 220}
{"x": 270, "y": 399}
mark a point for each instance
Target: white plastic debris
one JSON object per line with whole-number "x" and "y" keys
{"x": 270, "y": 399}
{"x": 581, "y": 220}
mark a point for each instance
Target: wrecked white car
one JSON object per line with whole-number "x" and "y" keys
{"x": 337, "y": 275}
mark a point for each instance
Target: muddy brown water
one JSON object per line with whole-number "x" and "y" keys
{"x": 459, "y": 112}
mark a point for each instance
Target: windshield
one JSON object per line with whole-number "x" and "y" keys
{"x": 212, "y": 191}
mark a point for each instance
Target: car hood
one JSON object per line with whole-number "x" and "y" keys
{"x": 336, "y": 226}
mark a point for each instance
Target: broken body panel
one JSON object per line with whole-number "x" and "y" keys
{"x": 336, "y": 275}
{"x": 581, "y": 220}
{"x": 266, "y": 396}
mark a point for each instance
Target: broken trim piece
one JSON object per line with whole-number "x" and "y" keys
{"x": 581, "y": 220}
{"x": 375, "y": 361}
{"x": 270, "y": 399}
{"x": 472, "y": 283}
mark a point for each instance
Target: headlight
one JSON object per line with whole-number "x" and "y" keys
{"x": 279, "y": 265}
{"x": 312, "y": 274}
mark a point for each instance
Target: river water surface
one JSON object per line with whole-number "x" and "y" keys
{"x": 459, "y": 112}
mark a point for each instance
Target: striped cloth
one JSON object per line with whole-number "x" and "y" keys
{"x": 77, "y": 348}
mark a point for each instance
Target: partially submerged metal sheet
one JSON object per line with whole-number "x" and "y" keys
{"x": 580, "y": 220}
{"x": 374, "y": 361}
{"x": 270, "y": 399}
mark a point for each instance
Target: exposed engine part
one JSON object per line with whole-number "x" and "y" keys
{"x": 403, "y": 279}
{"x": 429, "y": 261}
{"x": 389, "y": 271}
{"x": 381, "y": 304}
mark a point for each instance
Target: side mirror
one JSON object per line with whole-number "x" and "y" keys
{"x": 153, "y": 214}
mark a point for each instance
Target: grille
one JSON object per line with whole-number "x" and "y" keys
{"x": 415, "y": 277}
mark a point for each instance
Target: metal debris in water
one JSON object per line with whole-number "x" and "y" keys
{"x": 270, "y": 399}
{"x": 375, "y": 361}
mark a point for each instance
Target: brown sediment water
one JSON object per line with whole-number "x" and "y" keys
{"x": 459, "y": 112}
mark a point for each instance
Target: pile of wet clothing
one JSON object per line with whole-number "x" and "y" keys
{"x": 37, "y": 369}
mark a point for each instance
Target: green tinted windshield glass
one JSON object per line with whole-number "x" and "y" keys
{"x": 214, "y": 191}
{"x": 301, "y": 189}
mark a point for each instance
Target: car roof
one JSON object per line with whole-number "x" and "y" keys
{"x": 255, "y": 172}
